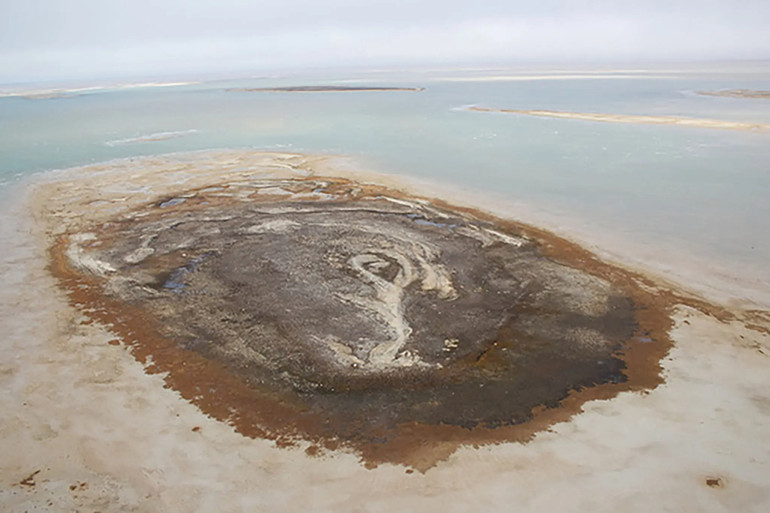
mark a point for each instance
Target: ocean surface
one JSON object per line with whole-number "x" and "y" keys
{"x": 666, "y": 192}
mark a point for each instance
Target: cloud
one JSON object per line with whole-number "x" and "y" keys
{"x": 81, "y": 38}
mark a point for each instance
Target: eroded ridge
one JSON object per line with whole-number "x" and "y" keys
{"x": 347, "y": 314}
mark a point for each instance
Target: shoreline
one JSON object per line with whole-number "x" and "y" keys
{"x": 716, "y": 360}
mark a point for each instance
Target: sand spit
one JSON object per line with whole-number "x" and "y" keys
{"x": 738, "y": 93}
{"x": 322, "y": 89}
{"x": 89, "y": 423}
{"x": 634, "y": 119}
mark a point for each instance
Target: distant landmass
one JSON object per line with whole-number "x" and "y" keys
{"x": 738, "y": 93}
{"x": 320, "y": 89}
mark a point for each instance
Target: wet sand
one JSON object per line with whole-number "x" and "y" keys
{"x": 633, "y": 119}
{"x": 92, "y": 410}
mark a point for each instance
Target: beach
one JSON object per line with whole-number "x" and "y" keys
{"x": 90, "y": 421}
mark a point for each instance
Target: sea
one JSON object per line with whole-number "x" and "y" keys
{"x": 684, "y": 202}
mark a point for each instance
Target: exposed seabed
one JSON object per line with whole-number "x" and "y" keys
{"x": 90, "y": 419}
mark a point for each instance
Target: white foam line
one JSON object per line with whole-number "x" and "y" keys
{"x": 158, "y": 136}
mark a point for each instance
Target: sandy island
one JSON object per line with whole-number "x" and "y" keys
{"x": 115, "y": 399}
{"x": 634, "y": 119}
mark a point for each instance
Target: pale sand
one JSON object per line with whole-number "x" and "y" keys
{"x": 83, "y": 411}
{"x": 634, "y": 119}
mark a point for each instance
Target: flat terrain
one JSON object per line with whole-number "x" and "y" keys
{"x": 343, "y": 312}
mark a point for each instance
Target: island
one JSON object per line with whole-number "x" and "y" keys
{"x": 312, "y": 309}
{"x": 322, "y": 89}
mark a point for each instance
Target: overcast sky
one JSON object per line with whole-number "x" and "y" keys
{"x": 62, "y": 39}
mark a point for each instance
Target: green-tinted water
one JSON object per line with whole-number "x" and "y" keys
{"x": 698, "y": 191}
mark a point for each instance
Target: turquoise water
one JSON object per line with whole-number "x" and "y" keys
{"x": 699, "y": 191}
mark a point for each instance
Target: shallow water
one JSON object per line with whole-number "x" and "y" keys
{"x": 660, "y": 192}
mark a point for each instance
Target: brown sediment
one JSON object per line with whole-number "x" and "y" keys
{"x": 266, "y": 409}
{"x": 633, "y": 119}
{"x": 322, "y": 89}
{"x": 715, "y": 482}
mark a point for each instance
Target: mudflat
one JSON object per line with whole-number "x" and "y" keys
{"x": 113, "y": 403}
{"x": 344, "y": 313}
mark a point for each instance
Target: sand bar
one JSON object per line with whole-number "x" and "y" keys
{"x": 634, "y": 119}
{"x": 738, "y": 93}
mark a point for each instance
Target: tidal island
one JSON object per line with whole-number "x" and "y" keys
{"x": 344, "y": 314}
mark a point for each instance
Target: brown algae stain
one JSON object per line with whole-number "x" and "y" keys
{"x": 30, "y": 479}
